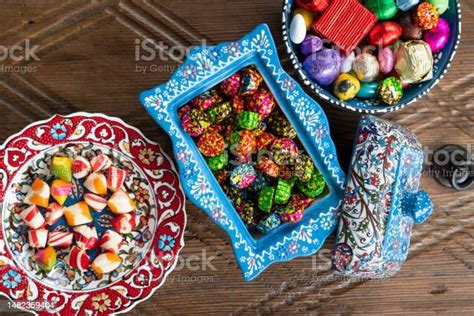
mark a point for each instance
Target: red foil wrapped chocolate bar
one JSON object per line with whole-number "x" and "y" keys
{"x": 345, "y": 23}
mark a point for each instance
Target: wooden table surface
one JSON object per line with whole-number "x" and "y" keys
{"x": 87, "y": 62}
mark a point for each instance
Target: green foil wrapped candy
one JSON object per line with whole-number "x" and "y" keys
{"x": 265, "y": 199}
{"x": 218, "y": 162}
{"x": 390, "y": 90}
{"x": 200, "y": 118}
{"x": 314, "y": 186}
{"x": 441, "y": 5}
{"x": 248, "y": 120}
{"x": 383, "y": 9}
{"x": 220, "y": 112}
{"x": 283, "y": 191}
{"x": 304, "y": 168}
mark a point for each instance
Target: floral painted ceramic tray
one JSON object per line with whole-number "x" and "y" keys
{"x": 204, "y": 68}
{"x": 148, "y": 254}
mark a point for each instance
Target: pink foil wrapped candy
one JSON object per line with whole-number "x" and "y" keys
{"x": 438, "y": 37}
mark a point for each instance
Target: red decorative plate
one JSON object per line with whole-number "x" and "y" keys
{"x": 149, "y": 253}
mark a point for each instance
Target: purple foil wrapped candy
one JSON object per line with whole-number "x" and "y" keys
{"x": 311, "y": 45}
{"x": 438, "y": 37}
{"x": 323, "y": 66}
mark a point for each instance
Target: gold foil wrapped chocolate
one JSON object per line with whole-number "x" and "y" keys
{"x": 414, "y": 62}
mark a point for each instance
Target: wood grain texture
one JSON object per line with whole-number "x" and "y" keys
{"x": 87, "y": 63}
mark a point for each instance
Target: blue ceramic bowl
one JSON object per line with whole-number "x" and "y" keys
{"x": 412, "y": 94}
{"x": 204, "y": 68}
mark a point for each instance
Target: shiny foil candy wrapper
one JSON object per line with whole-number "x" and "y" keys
{"x": 414, "y": 62}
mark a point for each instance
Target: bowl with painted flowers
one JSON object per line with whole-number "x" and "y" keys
{"x": 371, "y": 56}
{"x": 92, "y": 215}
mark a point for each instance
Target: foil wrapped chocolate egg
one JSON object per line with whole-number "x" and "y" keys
{"x": 313, "y": 5}
{"x": 385, "y": 33}
{"x": 323, "y": 66}
{"x": 346, "y": 87}
{"x": 438, "y": 37}
{"x": 414, "y": 61}
{"x": 368, "y": 90}
{"x": 425, "y": 16}
{"x": 406, "y": 5}
{"x": 311, "y": 45}
{"x": 390, "y": 90}
{"x": 383, "y": 9}
{"x": 441, "y": 5}
{"x": 386, "y": 60}
{"x": 366, "y": 67}
{"x": 206, "y": 100}
{"x": 410, "y": 30}
{"x": 347, "y": 63}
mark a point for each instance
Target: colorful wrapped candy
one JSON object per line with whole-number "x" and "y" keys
{"x": 38, "y": 193}
{"x": 366, "y": 67}
{"x": 100, "y": 162}
{"x": 96, "y": 202}
{"x": 32, "y": 217}
{"x": 390, "y": 90}
{"x": 238, "y": 104}
{"x": 231, "y": 86}
{"x": 300, "y": 202}
{"x": 86, "y": 236}
{"x": 345, "y": 23}
{"x": 247, "y": 214}
{"x": 262, "y": 102}
{"x": 206, "y": 100}
{"x": 383, "y": 9}
{"x": 282, "y": 191}
{"x": 304, "y": 168}
{"x": 218, "y": 162}
{"x": 111, "y": 241}
{"x": 243, "y": 145}
{"x": 62, "y": 168}
{"x": 78, "y": 214}
{"x": 281, "y": 126}
{"x": 190, "y": 127}
{"x": 45, "y": 259}
{"x": 346, "y": 87}
{"x": 106, "y": 262}
{"x": 242, "y": 176}
{"x": 60, "y": 239}
{"x": 251, "y": 81}
{"x": 124, "y": 223}
{"x": 268, "y": 166}
{"x": 269, "y": 223}
{"x": 220, "y": 112}
{"x": 385, "y": 33}
{"x": 53, "y": 213}
{"x": 265, "y": 140}
{"x": 314, "y": 187}
{"x": 37, "y": 238}
{"x": 426, "y": 16}
{"x": 438, "y": 36}
{"x": 323, "y": 66}
{"x": 313, "y": 5}
{"x": 248, "y": 120}
{"x": 78, "y": 258}
{"x": 60, "y": 190}
{"x": 81, "y": 167}
{"x": 284, "y": 151}
{"x": 96, "y": 183}
{"x": 120, "y": 203}
{"x": 211, "y": 144}
{"x": 115, "y": 178}
{"x": 291, "y": 215}
{"x": 265, "y": 199}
